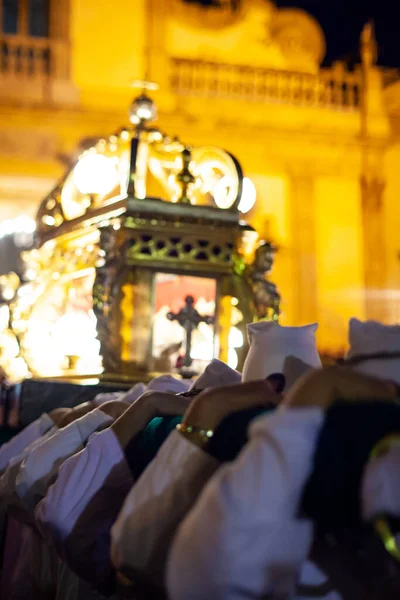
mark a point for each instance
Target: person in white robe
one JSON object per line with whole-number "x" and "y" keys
{"x": 244, "y": 538}
{"x": 130, "y": 396}
{"x": 75, "y": 517}
{"x": 25, "y": 482}
{"x": 173, "y": 481}
{"x": 28, "y": 435}
{"x": 168, "y": 488}
{"x": 19, "y": 577}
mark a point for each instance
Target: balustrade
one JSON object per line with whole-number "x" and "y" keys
{"x": 331, "y": 88}
{"x": 27, "y": 65}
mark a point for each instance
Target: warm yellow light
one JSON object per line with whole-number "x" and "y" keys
{"x": 95, "y": 174}
{"x": 75, "y": 335}
{"x": 224, "y": 193}
{"x": 248, "y": 197}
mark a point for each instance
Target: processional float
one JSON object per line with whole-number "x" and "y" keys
{"x": 141, "y": 265}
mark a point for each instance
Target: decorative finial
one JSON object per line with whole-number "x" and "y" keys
{"x": 369, "y": 46}
{"x": 185, "y": 177}
{"x": 144, "y": 85}
{"x": 143, "y": 110}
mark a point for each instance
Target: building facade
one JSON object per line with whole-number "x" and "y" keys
{"x": 321, "y": 145}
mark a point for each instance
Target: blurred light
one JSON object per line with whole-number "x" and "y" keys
{"x": 232, "y": 358}
{"x": 8, "y": 293}
{"x": 20, "y": 225}
{"x": 48, "y": 220}
{"x": 155, "y": 136}
{"x": 95, "y": 174}
{"x": 235, "y": 338}
{"x": 248, "y": 197}
{"x": 249, "y": 241}
{"x": 224, "y": 193}
{"x": 75, "y": 335}
{"x": 202, "y": 351}
{"x": 4, "y": 316}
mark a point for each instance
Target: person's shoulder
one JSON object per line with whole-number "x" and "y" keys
{"x": 283, "y": 418}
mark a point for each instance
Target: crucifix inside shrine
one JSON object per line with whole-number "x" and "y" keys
{"x": 183, "y": 324}
{"x": 189, "y": 318}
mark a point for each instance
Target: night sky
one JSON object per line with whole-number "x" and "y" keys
{"x": 342, "y": 21}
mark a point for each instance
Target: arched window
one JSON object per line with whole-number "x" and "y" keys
{"x": 25, "y": 17}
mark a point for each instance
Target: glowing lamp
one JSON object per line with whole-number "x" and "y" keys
{"x": 95, "y": 174}
{"x": 142, "y": 109}
{"x": 248, "y": 197}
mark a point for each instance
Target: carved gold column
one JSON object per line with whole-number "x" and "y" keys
{"x": 374, "y": 135}
{"x": 302, "y": 208}
{"x": 372, "y": 191}
{"x": 223, "y": 326}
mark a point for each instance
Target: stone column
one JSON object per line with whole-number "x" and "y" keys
{"x": 304, "y": 258}
{"x": 372, "y": 189}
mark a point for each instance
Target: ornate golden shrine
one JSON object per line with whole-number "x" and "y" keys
{"x": 140, "y": 216}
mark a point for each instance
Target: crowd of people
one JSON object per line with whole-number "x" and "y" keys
{"x": 281, "y": 482}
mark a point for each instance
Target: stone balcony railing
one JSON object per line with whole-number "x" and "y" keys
{"x": 331, "y": 88}
{"x": 29, "y": 65}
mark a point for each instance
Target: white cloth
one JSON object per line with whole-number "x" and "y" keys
{"x": 134, "y": 393}
{"x": 165, "y": 492}
{"x": 107, "y": 397}
{"x": 80, "y": 507}
{"x": 23, "y": 439}
{"x": 371, "y": 337}
{"x": 271, "y": 347}
{"x": 242, "y": 539}
{"x": 130, "y": 396}
{"x": 8, "y": 495}
{"x": 27, "y": 483}
{"x": 381, "y": 486}
{"x": 216, "y": 374}
{"x": 77, "y": 513}
{"x": 40, "y": 468}
{"x": 29, "y": 567}
{"x": 168, "y": 383}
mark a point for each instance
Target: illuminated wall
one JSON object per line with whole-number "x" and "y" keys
{"x": 108, "y": 45}
{"x": 250, "y": 83}
{"x": 271, "y": 217}
{"x": 339, "y": 259}
{"x": 392, "y": 227}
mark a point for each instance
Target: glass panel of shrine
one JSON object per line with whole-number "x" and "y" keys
{"x": 183, "y": 322}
